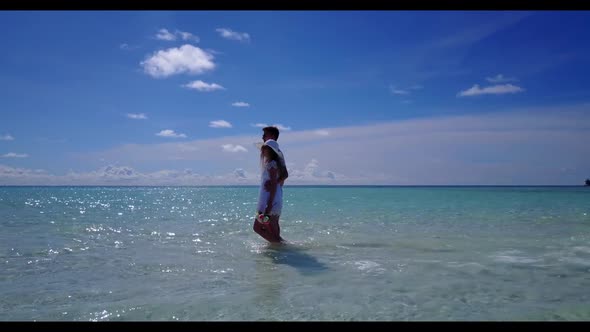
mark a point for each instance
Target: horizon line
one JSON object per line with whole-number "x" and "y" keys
{"x": 305, "y": 185}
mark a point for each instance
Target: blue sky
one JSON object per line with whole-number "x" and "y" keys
{"x": 362, "y": 97}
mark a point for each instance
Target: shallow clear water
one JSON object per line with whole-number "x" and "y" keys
{"x": 355, "y": 253}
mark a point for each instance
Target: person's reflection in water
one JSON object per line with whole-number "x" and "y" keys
{"x": 296, "y": 257}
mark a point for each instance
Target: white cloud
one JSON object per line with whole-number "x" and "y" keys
{"x": 500, "y": 79}
{"x": 6, "y": 137}
{"x": 240, "y": 173}
{"x": 123, "y": 176}
{"x": 22, "y": 176}
{"x": 123, "y": 172}
{"x": 312, "y": 174}
{"x": 240, "y": 104}
{"x": 203, "y": 87}
{"x": 128, "y": 176}
{"x": 137, "y": 116}
{"x": 233, "y": 148}
{"x": 170, "y": 133}
{"x": 518, "y": 147}
{"x": 397, "y": 91}
{"x": 127, "y": 47}
{"x": 187, "y": 36}
{"x": 260, "y": 125}
{"x": 185, "y": 59}
{"x": 495, "y": 89}
{"x": 164, "y": 34}
{"x": 15, "y": 155}
{"x": 281, "y": 127}
{"x": 212, "y": 51}
{"x": 220, "y": 124}
{"x": 233, "y": 35}
{"x": 312, "y": 169}
{"x": 110, "y": 175}
{"x": 322, "y": 132}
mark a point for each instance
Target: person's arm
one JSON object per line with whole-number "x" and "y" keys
{"x": 272, "y": 183}
{"x": 281, "y": 179}
{"x": 284, "y": 173}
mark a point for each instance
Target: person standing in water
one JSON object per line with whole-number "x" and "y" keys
{"x": 270, "y": 199}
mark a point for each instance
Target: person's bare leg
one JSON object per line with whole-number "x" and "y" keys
{"x": 275, "y": 228}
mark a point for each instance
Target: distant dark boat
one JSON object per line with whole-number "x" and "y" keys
{"x": 588, "y": 182}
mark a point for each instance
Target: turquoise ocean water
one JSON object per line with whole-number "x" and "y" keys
{"x": 355, "y": 253}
